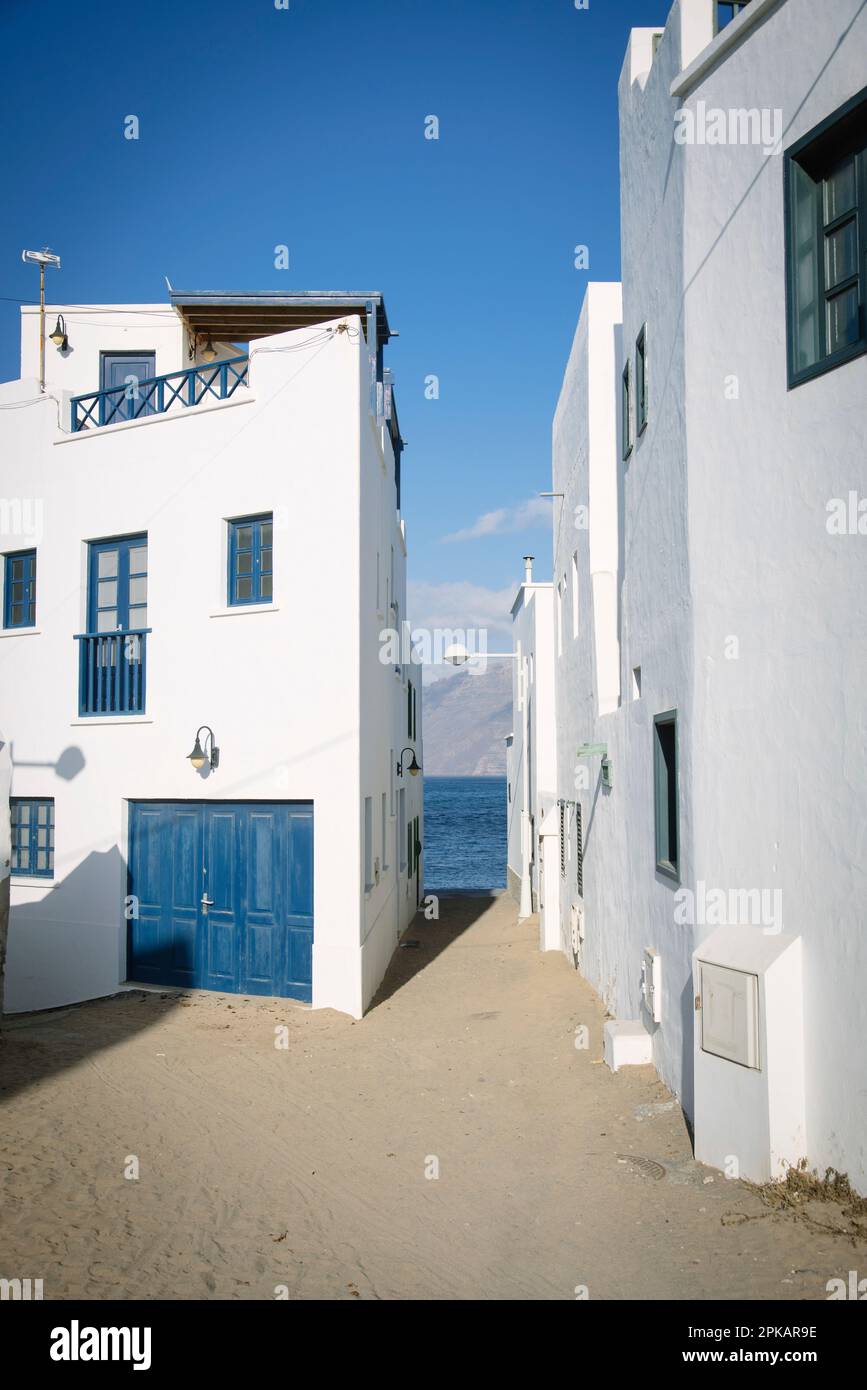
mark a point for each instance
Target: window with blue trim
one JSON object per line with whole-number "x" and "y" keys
{"x": 19, "y": 590}
{"x": 251, "y": 562}
{"x": 727, "y": 10}
{"x": 32, "y": 837}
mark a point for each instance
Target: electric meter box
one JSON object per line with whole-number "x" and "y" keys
{"x": 749, "y": 1052}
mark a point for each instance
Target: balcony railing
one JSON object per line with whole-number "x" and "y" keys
{"x": 158, "y": 394}
{"x": 111, "y": 672}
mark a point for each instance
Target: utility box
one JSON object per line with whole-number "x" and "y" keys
{"x": 749, "y": 1053}
{"x": 729, "y": 1013}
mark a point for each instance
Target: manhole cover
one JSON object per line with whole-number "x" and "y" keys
{"x": 646, "y": 1167}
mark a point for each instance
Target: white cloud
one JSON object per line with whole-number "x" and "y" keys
{"x": 507, "y": 520}
{"x": 461, "y": 606}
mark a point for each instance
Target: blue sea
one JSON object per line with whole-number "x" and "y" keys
{"x": 464, "y": 832}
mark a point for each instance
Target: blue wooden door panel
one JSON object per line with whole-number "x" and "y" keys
{"x": 126, "y": 370}
{"x": 183, "y": 858}
{"x": 223, "y": 896}
{"x": 263, "y": 905}
{"x": 220, "y": 917}
{"x": 297, "y": 981}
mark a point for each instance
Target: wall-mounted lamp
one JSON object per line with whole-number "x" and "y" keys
{"x": 199, "y": 757}
{"x": 58, "y": 337}
{"x": 592, "y": 750}
{"x": 209, "y": 352}
{"x": 413, "y": 768}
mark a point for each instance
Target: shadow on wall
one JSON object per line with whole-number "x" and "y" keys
{"x": 70, "y": 945}
{"x": 458, "y": 913}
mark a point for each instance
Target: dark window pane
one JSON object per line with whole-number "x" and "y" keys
{"x": 245, "y": 588}
{"x": 843, "y": 319}
{"x": 806, "y": 326}
{"x": 840, "y": 191}
{"x": 841, "y": 253}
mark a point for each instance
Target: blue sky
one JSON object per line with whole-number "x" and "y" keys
{"x": 305, "y": 127}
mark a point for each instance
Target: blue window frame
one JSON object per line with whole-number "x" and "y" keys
{"x": 32, "y": 837}
{"x": 826, "y": 244}
{"x": 19, "y": 589}
{"x": 251, "y": 559}
{"x": 118, "y": 585}
{"x": 665, "y": 794}
{"x": 727, "y": 10}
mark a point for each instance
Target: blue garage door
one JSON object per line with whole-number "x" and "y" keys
{"x": 222, "y": 896}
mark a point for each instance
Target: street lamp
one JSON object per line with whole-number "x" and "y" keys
{"x": 413, "y": 768}
{"x": 59, "y": 337}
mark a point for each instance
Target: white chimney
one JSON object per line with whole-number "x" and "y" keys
{"x": 528, "y": 568}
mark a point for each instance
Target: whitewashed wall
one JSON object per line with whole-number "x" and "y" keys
{"x": 531, "y": 760}
{"x": 780, "y": 730}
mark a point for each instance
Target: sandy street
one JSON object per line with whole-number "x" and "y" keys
{"x": 307, "y": 1166}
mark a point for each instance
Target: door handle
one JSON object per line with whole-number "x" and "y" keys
{"x": 206, "y": 901}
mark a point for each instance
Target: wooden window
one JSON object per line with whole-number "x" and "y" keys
{"x": 626, "y": 409}
{"x": 641, "y": 379}
{"x": 826, "y": 244}
{"x": 251, "y": 560}
{"x": 32, "y": 837}
{"x": 666, "y": 794}
{"x": 727, "y": 10}
{"x": 19, "y": 589}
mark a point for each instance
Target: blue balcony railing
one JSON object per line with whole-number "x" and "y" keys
{"x": 111, "y": 672}
{"x": 158, "y": 394}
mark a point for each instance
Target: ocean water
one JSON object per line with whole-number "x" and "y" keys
{"x": 464, "y": 832}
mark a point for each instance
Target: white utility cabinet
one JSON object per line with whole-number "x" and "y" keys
{"x": 749, "y": 1052}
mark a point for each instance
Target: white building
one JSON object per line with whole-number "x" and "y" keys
{"x": 201, "y": 527}
{"x": 709, "y": 444}
{"x": 531, "y": 764}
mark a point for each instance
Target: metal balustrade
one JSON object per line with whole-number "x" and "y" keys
{"x": 158, "y": 394}
{"x": 111, "y": 672}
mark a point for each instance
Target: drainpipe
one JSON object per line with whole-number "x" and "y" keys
{"x": 526, "y": 905}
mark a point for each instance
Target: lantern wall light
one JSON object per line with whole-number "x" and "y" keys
{"x": 199, "y": 756}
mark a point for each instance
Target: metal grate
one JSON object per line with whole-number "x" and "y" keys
{"x": 562, "y": 839}
{"x": 579, "y": 849}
